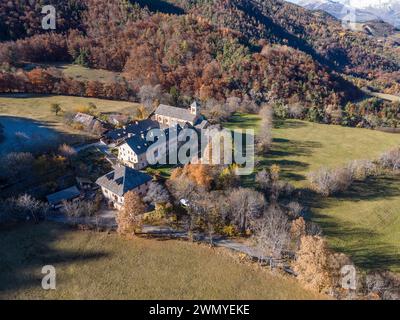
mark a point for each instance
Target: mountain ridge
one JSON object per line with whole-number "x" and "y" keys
{"x": 387, "y": 11}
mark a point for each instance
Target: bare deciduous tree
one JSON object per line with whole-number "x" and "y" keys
{"x": 264, "y": 180}
{"x": 67, "y": 151}
{"x": 295, "y": 209}
{"x": 330, "y": 181}
{"x": 183, "y": 187}
{"x": 209, "y": 209}
{"x": 296, "y": 110}
{"x": 34, "y": 208}
{"x": 72, "y": 209}
{"x": 245, "y": 205}
{"x": 157, "y": 194}
{"x": 80, "y": 208}
{"x": 271, "y": 234}
{"x": 264, "y": 136}
{"x": 149, "y": 96}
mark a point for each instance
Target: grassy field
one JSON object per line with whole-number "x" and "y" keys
{"x": 92, "y": 265}
{"x": 363, "y": 222}
{"x": 300, "y": 147}
{"x": 81, "y": 73}
{"x": 37, "y": 107}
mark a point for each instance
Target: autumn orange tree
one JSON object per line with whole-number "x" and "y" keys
{"x": 129, "y": 217}
{"x": 317, "y": 266}
{"x": 200, "y": 174}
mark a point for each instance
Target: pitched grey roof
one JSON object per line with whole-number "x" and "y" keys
{"x": 90, "y": 122}
{"x": 84, "y": 118}
{"x": 175, "y": 112}
{"x": 135, "y": 128}
{"x": 123, "y": 179}
{"x": 139, "y": 144}
{"x": 63, "y": 195}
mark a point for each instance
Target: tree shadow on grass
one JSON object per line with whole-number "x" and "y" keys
{"x": 289, "y": 124}
{"x": 282, "y": 148}
{"x": 241, "y": 121}
{"x": 373, "y": 188}
{"x": 30, "y": 135}
{"x": 361, "y": 243}
{"x": 27, "y": 248}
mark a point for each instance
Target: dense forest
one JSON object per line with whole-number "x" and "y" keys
{"x": 267, "y": 51}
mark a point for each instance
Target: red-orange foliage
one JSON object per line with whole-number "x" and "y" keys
{"x": 199, "y": 173}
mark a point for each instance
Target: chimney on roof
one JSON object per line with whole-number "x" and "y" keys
{"x": 136, "y": 122}
{"x": 130, "y": 135}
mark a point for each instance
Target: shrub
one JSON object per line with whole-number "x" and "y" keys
{"x": 330, "y": 181}
{"x": 295, "y": 209}
{"x": 362, "y": 169}
{"x": 384, "y": 284}
{"x": 229, "y": 231}
{"x": 67, "y": 151}
{"x": 391, "y": 159}
{"x": 75, "y": 209}
{"x": 77, "y": 126}
{"x": 155, "y": 216}
{"x": 55, "y": 107}
{"x": 16, "y": 164}
{"x": 281, "y": 111}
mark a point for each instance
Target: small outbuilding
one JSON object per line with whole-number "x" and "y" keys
{"x": 70, "y": 194}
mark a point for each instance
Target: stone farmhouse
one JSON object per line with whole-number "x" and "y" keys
{"x": 115, "y": 184}
{"x": 132, "y": 145}
{"x": 169, "y": 116}
{"x": 90, "y": 124}
{"x": 132, "y": 151}
{"x": 131, "y": 139}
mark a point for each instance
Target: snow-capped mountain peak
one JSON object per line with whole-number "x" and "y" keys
{"x": 364, "y": 10}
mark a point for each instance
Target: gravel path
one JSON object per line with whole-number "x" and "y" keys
{"x": 107, "y": 220}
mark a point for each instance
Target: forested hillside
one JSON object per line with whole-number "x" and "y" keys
{"x": 264, "y": 51}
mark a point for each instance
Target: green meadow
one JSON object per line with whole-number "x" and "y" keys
{"x": 363, "y": 222}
